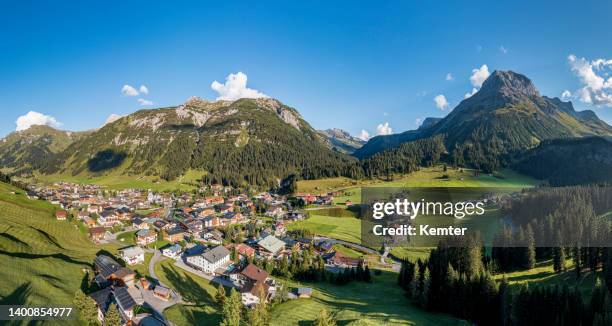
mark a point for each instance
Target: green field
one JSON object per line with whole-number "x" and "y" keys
{"x": 44, "y": 259}
{"x": 198, "y": 292}
{"x": 425, "y": 177}
{"x": 342, "y": 228}
{"x": 381, "y": 302}
{"x": 118, "y": 181}
{"x": 544, "y": 275}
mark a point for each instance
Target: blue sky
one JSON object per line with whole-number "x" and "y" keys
{"x": 353, "y": 65}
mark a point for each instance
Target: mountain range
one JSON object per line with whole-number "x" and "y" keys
{"x": 506, "y": 116}
{"x": 262, "y": 141}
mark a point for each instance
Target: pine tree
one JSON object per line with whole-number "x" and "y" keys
{"x": 367, "y": 276}
{"x": 230, "y": 312}
{"x": 87, "y": 308}
{"x": 220, "y": 297}
{"x": 324, "y": 319}
{"x": 112, "y": 317}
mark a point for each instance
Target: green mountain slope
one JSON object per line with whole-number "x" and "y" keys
{"x": 507, "y": 115}
{"x": 31, "y": 149}
{"x": 569, "y": 161}
{"x": 248, "y": 141}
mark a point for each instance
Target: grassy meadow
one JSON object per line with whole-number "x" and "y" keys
{"x": 381, "y": 302}
{"x": 47, "y": 258}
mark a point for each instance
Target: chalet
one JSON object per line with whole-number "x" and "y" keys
{"x": 206, "y": 212}
{"x": 94, "y": 209}
{"x": 255, "y": 283}
{"x": 175, "y": 234}
{"x": 210, "y": 260}
{"x": 324, "y": 246}
{"x": 140, "y": 223}
{"x": 212, "y": 236}
{"x": 108, "y": 271}
{"x": 275, "y": 210}
{"x": 32, "y": 195}
{"x": 337, "y": 259}
{"x": 97, "y": 233}
{"x": 145, "y": 236}
{"x": 132, "y": 255}
{"x": 82, "y": 214}
{"x": 270, "y": 246}
{"x": 108, "y": 217}
{"x": 162, "y": 292}
{"x": 225, "y": 208}
{"x": 118, "y": 296}
{"x": 244, "y": 250}
{"x": 211, "y": 221}
{"x": 173, "y": 251}
{"x": 89, "y": 222}
{"x": 279, "y": 229}
{"x": 61, "y": 215}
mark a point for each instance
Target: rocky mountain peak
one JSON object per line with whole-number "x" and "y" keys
{"x": 508, "y": 83}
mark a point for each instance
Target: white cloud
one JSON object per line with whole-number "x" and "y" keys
{"x": 35, "y": 118}
{"x": 364, "y": 135}
{"x": 144, "y": 102}
{"x": 479, "y": 75}
{"x": 384, "y": 129}
{"x": 469, "y": 94}
{"x": 450, "y": 77}
{"x": 502, "y": 49}
{"x": 235, "y": 87}
{"x": 596, "y": 89}
{"x": 112, "y": 118}
{"x": 128, "y": 90}
{"x": 144, "y": 89}
{"x": 566, "y": 95}
{"x": 441, "y": 102}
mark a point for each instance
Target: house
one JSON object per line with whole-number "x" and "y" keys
{"x": 145, "y": 236}
{"x": 94, "y": 209}
{"x": 175, "y": 234}
{"x": 162, "y": 292}
{"x": 244, "y": 250}
{"x": 90, "y": 222}
{"x": 256, "y": 283}
{"x": 81, "y": 215}
{"x": 140, "y": 223}
{"x": 339, "y": 260}
{"x": 303, "y": 292}
{"x": 132, "y": 255}
{"x": 270, "y": 246}
{"x": 118, "y": 296}
{"x": 61, "y": 215}
{"x": 97, "y": 233}
{"x": 210, "y": 260}
{"x": 108, "y": 217}
{"x": 173, "y": 251}
{"x": 109, "y": 271}
{"x": 212, "y": 236}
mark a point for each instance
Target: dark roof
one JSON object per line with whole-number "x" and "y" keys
{"x": 174, "y": 231}
{"x": 106, "y": 266}
{"x": 216, "y": 254}
{"x": 102, "y": 298}
{"x": 254, "y": 273}
{"x": 124, "y": 299}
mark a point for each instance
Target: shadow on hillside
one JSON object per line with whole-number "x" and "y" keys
{"x": 105, "y": 160}
{"x": 60, "y": 256}
{"x": 19, "y": 296}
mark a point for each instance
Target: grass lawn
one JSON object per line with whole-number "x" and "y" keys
{"x": 381, "y": 302}
{"x": 127, "y": 238}
{"x": 411, "y": 254}
{"x": 425, "y": 177}
{"x": 117, "y": 181}
{"x": 198, "y": 292}
{"x": 342, "y": 228}
{"x": 544, "y": 275}
{"x": 348, "y": 252}
{"x": 43, "y": 259}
